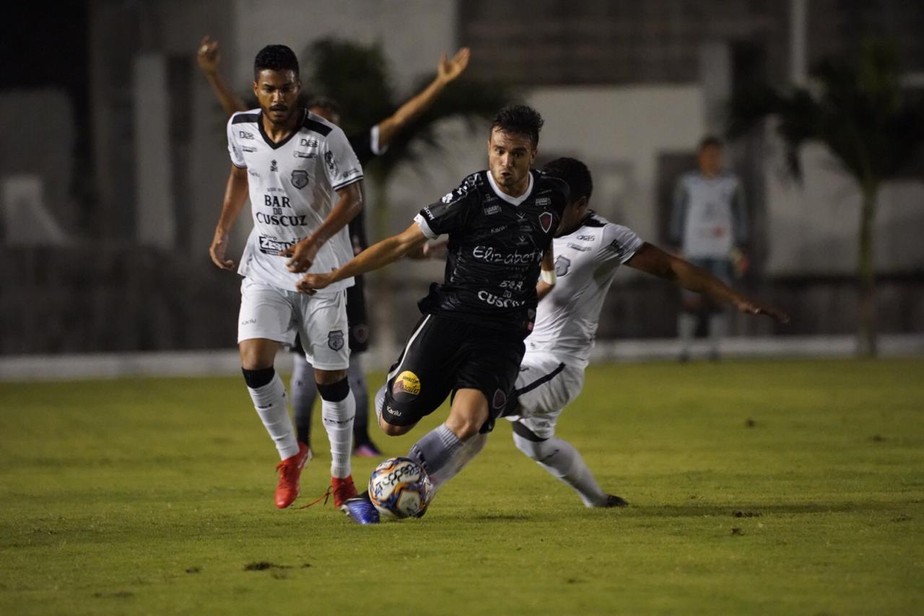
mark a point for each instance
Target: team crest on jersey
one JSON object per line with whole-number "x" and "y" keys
{"x": 335, "y": 339}
{"x": 545, "y": 221}
{"x": 562, "y": 265}
{"x": 299, "y": 178}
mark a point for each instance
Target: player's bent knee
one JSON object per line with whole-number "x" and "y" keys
{"x": 529, "y": 443}
{"x": 334, "y": 392}
{"x": 393, "y": 430}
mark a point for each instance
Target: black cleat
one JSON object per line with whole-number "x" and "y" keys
{"x": 615, "y": 501}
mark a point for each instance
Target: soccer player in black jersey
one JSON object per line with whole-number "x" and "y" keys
{"x": 469, "y": 343}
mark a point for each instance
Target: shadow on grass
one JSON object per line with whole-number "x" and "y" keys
{"x": 753, "y": 510}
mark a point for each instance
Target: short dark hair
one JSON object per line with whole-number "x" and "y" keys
{"x": 520, "y": 120}
{"x": 326, "y": 103}
{"x": 275, "y": 58}
{"x": 709, "y": 141}
{"x": 574, "y": 173}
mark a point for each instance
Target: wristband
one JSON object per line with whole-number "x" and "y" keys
{"x": 548, "y": 277}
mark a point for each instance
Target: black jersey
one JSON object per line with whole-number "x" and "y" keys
{"x": 495, "y": 249}
{"x": 365, "y": 147}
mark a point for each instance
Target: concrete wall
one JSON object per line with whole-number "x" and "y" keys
{"x": 815, "y": 225}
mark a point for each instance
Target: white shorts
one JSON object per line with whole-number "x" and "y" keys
{"x": 544, "y": 388}
{"x": 320, "y": 320}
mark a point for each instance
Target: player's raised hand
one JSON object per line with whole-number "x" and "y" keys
{"x": 748, "y": 306}
{"x": 209, "y": 55}
{"x": 448, "y": 70}
{"x": 217, "y": 251}
{"x": 301, "y": 256}
{"x": 312, "y": 282}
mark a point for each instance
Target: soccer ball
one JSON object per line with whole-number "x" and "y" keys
{"x": 400, "y": 488}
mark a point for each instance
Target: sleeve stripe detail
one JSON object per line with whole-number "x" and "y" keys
{"x": 314, "y": 125}
{"x": 425, "y": 227}
{"x": 240, "y": 118}
{"x": 348, "y": 182}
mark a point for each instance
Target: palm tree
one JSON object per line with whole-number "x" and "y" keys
{"x": 857, "y": 109}
{"x": 357, "y": 77}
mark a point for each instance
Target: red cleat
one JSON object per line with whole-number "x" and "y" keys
{"x": 290, "y": 470}
{"x": 343, "y": 490}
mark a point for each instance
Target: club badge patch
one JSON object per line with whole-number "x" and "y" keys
{"x": 500, "y": 399}
{"x": 335, "y": 339}
{"x": 299, "y": 178}
{"x": 545, "y": 221}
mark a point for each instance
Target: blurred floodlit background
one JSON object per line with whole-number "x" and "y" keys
{"x": 113, "y": 154}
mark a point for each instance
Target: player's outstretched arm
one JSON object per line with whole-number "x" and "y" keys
{"x": 209, "y": 58}
{"x": 349, "y": 204}
{"x": 235, "y": 197}
{"x": 446, "y": 72}
{"x": 653, "y": 260}
{"x": 375, "y": 257}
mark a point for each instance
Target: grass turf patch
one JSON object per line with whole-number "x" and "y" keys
{"x": 770, "y": 487}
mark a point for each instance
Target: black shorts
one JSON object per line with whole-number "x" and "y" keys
{"x": 443, "y": 355}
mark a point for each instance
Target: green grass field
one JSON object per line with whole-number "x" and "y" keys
{"x": 757, "y": 487}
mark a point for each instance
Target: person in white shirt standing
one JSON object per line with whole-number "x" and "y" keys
{"x": 305, "y": 185}
{"x": 588, "y": 252}
{"x": 709, "y": 225}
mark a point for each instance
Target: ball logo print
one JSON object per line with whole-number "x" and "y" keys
{"x": 400, "y": 488}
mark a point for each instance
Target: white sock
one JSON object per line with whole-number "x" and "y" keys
{"x": 459, "y": 459}
{"x": 686, "y": 327}
{"x": 561, "y": 460}
{"x": 716, "y": 331}
{"x": 338, "y": 421}
{"x": 270, "y": 402}
{"x": 379, "y": 402}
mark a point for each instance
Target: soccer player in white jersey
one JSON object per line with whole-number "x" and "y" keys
{"x": 305, "y": 185}
{"x": 368, "y": 144}
{"x": 588, "y": 251}
{"x": 587, "y": 255}
{"x": 709, "y": 224}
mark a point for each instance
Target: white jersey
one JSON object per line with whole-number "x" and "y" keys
{"x": 709, "y": 215}
{"x": 293, "y": 187}
{"x": 585, "y": 264}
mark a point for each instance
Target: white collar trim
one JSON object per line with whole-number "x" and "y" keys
{"x": 505, "y": 196}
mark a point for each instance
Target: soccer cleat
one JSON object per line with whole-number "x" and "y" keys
{"x": 367, "y": 450}
{"x": 614, "y": 501}
{"x": 361, "y": 510}
{"x": 290, "y": 470}
{"x": 343, "y": 490}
